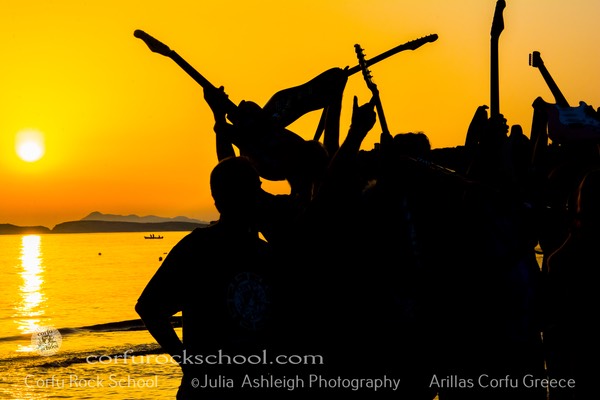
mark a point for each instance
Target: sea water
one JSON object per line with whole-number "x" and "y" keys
{"x": 68, "y": 328}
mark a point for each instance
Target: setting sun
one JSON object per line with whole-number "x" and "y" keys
{"x": 30, "y": 145}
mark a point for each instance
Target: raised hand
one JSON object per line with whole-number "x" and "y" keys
{"x": 498, "y": 125}
{"x": 363, "y": 119}
{"x": 476, "y": 128}
{"x": 217, "y": 100}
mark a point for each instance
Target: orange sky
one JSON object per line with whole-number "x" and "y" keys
{"x": 127, "y": 131}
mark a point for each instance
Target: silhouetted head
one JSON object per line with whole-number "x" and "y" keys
{"x": 235, "y": 185}
{"x": 251, "y": 115}
{"x": 412, "y": 145}
{"x": 520, "y": 145}
{"x": 306, "y": 167}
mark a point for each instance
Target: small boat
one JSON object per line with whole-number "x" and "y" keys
{"x": 152, "y": 236}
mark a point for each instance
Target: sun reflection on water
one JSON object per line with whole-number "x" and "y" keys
{"x": 30, "y": 308}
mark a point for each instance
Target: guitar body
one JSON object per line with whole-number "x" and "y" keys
{"x": 565, "y": 122}
{"x": 570, "y": 124}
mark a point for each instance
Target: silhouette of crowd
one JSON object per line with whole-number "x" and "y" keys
{"x": 400, "y": 261}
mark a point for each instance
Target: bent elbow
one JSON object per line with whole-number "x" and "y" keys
{"x": 141, "y": 309}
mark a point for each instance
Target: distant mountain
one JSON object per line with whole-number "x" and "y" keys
{"x": 98, "y": 216}
{"x": 8, "y": 229}
{"x": 94, "y": 226}
{"x": 99, "y": 222}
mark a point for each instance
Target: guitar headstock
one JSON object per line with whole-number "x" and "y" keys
{"x": 535, "y": 60}
{"x": 498, "y": 21}
{"x": 362, "y": 62}
{"x": 153, "y": 44}
{"x": 415, "y": 44}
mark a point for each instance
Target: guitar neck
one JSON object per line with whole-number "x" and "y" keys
{"x": 362, "y": 63}
{"x": 385, "y": 132}
{"x": 497, "y": 28}
{"x": 558, "y": 96}
{"x": 412, "y": 45}
{"x": 494, "y": 80}
{"x": 201, "y": 80}
{"x": 386, "y": 136}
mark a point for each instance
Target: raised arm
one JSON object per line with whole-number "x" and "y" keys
{"x": 342, "y": 168}
{"x": 331, "y": 138}
{"x": 217, "y": 100}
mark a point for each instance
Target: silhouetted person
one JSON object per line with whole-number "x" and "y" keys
{"x": 281, "y": 154}
{"x": 486, "y": 139}
{"x": 224, "y": 281}
{"x": 563, "y": 156}
{"x": 492, "y": 320}
{"x": 573, "y": 301}
{"x": 261, "y": 133}
{"x": 557, "y": 169}
{"x": 416, "y": 215}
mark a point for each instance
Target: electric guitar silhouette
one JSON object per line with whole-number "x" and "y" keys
{"x": 273, "y": 149}
{"x": 565, "y": 122}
